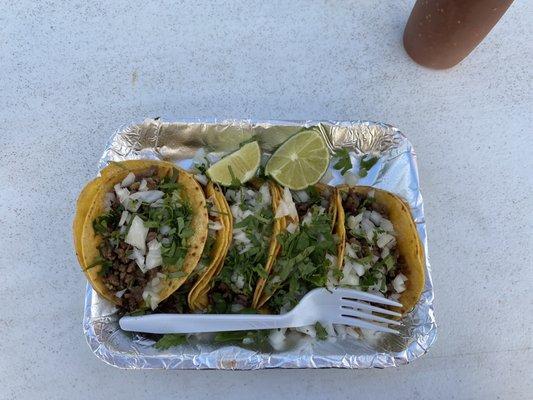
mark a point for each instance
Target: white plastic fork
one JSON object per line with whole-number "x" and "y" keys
{"x": 340, "y": 306}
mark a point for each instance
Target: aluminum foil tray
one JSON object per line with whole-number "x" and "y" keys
{"x": 395, "y": 171}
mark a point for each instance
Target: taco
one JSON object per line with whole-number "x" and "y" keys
{"x": 216, "y": 248}
{"x": 142, "y": 234}
{"x": 309, "y": 247}
{"x": 382, "y": 252}
{"x": 252, "y": 250}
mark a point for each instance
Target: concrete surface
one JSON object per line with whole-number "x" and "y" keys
{"x": 71, "y": 73}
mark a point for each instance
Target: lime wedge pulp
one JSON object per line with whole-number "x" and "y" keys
{"x": 237, "y": 167}
{"x": 300, "y": 161}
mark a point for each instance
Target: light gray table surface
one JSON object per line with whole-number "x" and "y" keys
{"x": 71, "y": 73}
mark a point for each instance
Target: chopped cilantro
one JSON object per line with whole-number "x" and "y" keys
{"x": 105, "y": 265}
{"x": 321, "y": 332}
{"x": 170, "y": 340}
{"x": 389, "y": 262}
{"x": 259, "y": 337}
{"x": 202, "y": 167}
{"x": 302, "y": 264}
{"x": 344, "y": 163}
{"x": 249, "y": 266}
{"x": 366, "y": 165}
{"x": 223, "y": 337}
{"x": 235, "y": 183}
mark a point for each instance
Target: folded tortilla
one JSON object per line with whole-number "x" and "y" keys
{"x": 407, "y": 240}
{"x": 91, "y": 204}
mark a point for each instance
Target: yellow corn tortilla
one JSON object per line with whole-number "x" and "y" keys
{"x": 197, "y": 297}
{"x": 407, "y": 241}
{"x": 88, "y": 241}
{"x": 279, "y": 225}
{"x": 83, "y": 205}
{"x": 261, "y": 298}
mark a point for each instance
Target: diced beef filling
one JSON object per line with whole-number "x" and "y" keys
{"x": 355, "y": 203}
{"x": 122, "y": 273}
{"x": 176, "y": 303}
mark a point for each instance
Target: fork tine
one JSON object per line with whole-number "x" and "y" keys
{"x": 370, "y": 317}
{"x": 354, "y": 321}
{"x": 350, "y": 294}
{"x": 366, "y": 306}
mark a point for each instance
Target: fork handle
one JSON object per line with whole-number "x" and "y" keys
{"x": 194, "y": 323}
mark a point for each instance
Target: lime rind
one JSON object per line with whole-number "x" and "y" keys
{"x": 301, "y": 161}
{"x": 241, "y": 165}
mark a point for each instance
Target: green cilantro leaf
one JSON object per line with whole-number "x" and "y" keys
{"x": 366, "y": 165}
{"x": 224, "y": 337}
{"x": 344, "y": 163}
{"x": 170, "y": 340}
{"x": 321, "y": 332}
{"x": 235, "y": 183}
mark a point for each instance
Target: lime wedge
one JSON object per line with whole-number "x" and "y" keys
{"x": 300, "y": 161}
{"x": 237, "y": 167}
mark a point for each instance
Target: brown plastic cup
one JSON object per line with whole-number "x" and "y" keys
{"x": 441, "y": 33}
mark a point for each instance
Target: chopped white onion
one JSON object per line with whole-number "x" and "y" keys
{"x": 123, "y": 218}
{"x": 395, "y": 296}
{"x": 286, "y": 206}
{"x": 238, "y": 280}
{"x": 350, "y": 275}
{"x": 353, "y": 221}
{"x": 128, "y": 180}
{"x": 240, "y": 237}
{"x": 350, "y": 251}
{"x": 199, "y": 156}
{"x": 265, "y": 194}
{"x": 375, "y": 217}
{"x": 148, "y": 196}
{"x": 399, "y": 283}
{"x": 332, "y": 259}
{"x": 158, "y": 203}
{"x": 331, "y": 282}
{"x": 151, "y": 291}
{"x": 308, "y": 217}
{"x": 154, "y": 258}
{"x": 201, "y": 178}
{"x": 245, "y": 249}
{"x": 138, "y": 256}
{"x": 386, "y": 225}
{"x": 164, "y": 229}
{"x": 292, "y": 227}
{"x": 215, "y": 225}
{"x": 276, "y": 339}
{"x": 235, "y": 308}
{"x": 120, "y": 293}
{"x": 143, "y": 186}
{"x": 108, "y": 200}
{"x": 123, "y": 194}
{"x": 302, "y": 196}
{"x": 384, "y": 239}
{"x": 137, "y": 234}
{"x": 308, "y": 330}
{"x": 367, "y": 225}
